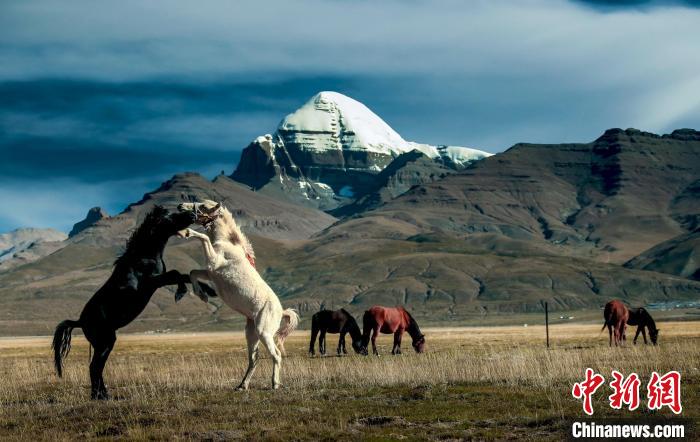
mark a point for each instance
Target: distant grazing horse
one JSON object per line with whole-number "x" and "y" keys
{"x": 389, "y": 320}
{"x": 339, "y": 321}
{"x": 642, "y": 319}
{"x": 616, "y": 316}
{"x": 137, "y": 274}
{"x": 230, "y": 266}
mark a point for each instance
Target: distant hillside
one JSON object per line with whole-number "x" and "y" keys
{"x": 24, "y": 245}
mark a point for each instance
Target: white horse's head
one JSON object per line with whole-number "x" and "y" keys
{"x": 206, "y": 212}
{"x": 220, "y": 223}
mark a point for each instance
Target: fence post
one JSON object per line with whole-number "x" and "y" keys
{"x": 546, "y": 320}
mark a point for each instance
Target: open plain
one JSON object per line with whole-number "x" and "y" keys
{"x": 472, "y": 383}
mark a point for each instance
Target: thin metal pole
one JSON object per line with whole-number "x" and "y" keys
{"x": 546, "y": 321}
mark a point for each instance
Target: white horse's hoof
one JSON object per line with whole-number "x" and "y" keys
{"x": 277, "y": 386}
{"x": 185, "y": 233}
{"x": 242, "y": 387}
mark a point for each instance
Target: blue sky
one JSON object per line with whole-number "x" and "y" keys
{"x": 100, "y": 104}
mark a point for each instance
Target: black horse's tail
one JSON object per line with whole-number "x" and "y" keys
{"x": 61, "y": 343}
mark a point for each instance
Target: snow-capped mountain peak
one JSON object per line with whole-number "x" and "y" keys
{"x": 350, "y": 125}
{"x": 331, "y": 149}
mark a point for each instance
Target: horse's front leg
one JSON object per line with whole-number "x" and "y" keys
{"x": 636, "y": 335}
{"x": 195, "y": 277}
{"x": 341, "y": 343}
{"x": 209, "y": 250}
{"x": 375, "y": 333}
{"x": 644, "y": 334}
{"x": 172, "y": 277}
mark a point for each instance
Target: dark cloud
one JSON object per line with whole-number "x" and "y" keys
{"x": 623, "y": 4}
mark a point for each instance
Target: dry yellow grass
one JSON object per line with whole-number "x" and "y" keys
{"x": 182, "y": 385}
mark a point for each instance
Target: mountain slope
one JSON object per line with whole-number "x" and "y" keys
{"x": 678, "y": 256}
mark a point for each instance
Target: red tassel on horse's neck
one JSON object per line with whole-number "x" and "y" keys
{"x": 251, "y": 260}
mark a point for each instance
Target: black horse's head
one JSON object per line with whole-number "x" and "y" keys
{"x": 161, "y": 223}
{"x": 419, "y": 344}
{"x": 654, "y": 335}
{"x": 155, "y": 229}
{"x": 358, "y": 347}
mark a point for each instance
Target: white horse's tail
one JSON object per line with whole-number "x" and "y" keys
{"x": 289, "y": 323}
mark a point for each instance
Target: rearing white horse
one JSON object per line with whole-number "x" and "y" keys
{"x": 230, "y": 266}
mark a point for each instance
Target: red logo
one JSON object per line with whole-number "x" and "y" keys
{"x": 665, "y": 391}
{"x": 626, "y": 391}
{"x": 662, "y": 391}
{"x": 584, "y": 390}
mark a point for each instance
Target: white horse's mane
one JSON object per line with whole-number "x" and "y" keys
{"x": 234, "y": 233}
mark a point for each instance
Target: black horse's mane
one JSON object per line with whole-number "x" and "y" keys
{"x": 413, "y": 328}
{"x": 142, "y": 232}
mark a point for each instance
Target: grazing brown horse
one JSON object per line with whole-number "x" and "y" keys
{"x": 616, "y": 316}
{"x": 339, "y": 321}
{"x": 389, "y": 320}
{"x": 643, "y": 320}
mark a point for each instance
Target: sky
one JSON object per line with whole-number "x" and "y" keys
{"x": 99, "y": 103}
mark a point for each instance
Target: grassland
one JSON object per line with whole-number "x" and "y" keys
{"x": 475, "y": 383}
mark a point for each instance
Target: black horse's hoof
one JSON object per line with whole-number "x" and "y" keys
{"x": 181, "y": 291}
{"x": 99, "y": 396}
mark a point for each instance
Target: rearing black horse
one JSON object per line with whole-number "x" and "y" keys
{"x": 137, "y": 274}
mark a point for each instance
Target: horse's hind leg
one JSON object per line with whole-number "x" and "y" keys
{"x": 269, "y": 343}
{"x": 103, "y": 344}
{"x": 610, "y": 335}
{"x": 251, "y": 336}
{"x": 312, "y": 344}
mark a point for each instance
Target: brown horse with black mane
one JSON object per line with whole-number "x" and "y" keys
{"x": 389, "y": 320}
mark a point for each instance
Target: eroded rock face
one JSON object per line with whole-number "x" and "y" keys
{"x": 94, "y": 215}
{"x": 329, "y": 152}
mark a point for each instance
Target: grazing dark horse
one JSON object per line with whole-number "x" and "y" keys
{"x": 137, "y": 274}
{"x": 389, "y": 320}
{"x": 339, "y": 321}
{"x": 616, "y": 316}
{"x": 642, "y": 319}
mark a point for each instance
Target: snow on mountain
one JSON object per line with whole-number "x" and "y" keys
{"x": 19, "y": 240}
{"x": 330, "y": 120}
{"x": 333, "y": 121}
